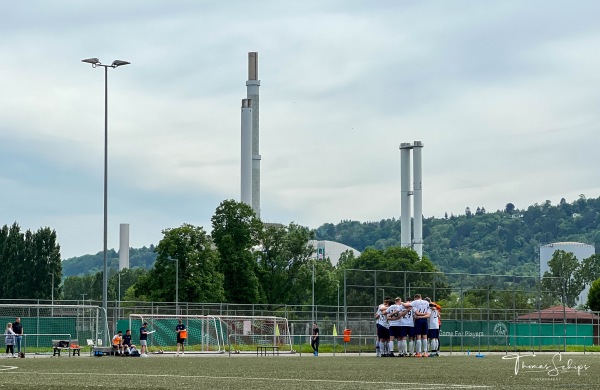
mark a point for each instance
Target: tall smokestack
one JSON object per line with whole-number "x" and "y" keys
{"x": 123, "y": 246}
{"x": 418, "y": 198}
{"x": 246, "y": 155}
{"x": 252, "y": 88}
{"x": 405, "y": 193}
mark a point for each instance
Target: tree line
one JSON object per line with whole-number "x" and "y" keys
{"x": 30, "y": 263}
{"x": 502, "y": 242}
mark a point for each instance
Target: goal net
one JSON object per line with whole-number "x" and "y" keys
{"x": 44, "y": 323}
{"x": 212, "y": 333}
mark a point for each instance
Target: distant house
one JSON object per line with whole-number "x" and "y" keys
{"x": 330, "y": 249}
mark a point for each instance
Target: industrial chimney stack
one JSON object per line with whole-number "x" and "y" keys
{"x": 252, "y": 90}
{"x": 405, "y": 193}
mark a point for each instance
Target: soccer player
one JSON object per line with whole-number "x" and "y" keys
{"x": 407, "y": 325}
{"x": 117, "y": 343}
{"x": 144, "y": 338}
{"x": 314, "y": 341}
{"x": 422, "y": 313}
{"x": 434, "y": 329}
{"x": 394, "y": 314}
{"x": 383, "y": 329}
{"x": 181, "y": 331}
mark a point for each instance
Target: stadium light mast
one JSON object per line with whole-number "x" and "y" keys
{"x": 176, "y": 260}
{"x": 96, "y": 63}
{"x": 52, "y": 292}
{"x": 313, "y": 292}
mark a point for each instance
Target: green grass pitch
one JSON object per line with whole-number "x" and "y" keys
{"x": 302, "y": 372}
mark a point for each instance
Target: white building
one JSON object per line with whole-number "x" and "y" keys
{"x": 580, "y": 250}
{"x": 331, "y": 249}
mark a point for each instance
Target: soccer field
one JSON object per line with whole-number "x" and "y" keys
{"x": 302, "y": 372}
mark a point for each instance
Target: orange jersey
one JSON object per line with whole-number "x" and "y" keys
{"x": 117, "y": 340}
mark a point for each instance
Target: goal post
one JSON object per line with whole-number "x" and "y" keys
{"x": 204, "y": 333}
{"x": 213, "y": 333}
{"x": 44, "y": 323}
{"x": 248, "y": 332}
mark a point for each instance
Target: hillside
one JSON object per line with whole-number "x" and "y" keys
{"x": 501, "y": 242}
{"x": 86, "y": 264}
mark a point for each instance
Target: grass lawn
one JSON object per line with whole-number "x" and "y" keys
{"x": 302, "y": 372}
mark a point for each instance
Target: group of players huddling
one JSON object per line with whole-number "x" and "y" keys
{"x": 412, "y": 324}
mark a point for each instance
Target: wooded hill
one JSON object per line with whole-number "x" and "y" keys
{"x": 501, "y": 242}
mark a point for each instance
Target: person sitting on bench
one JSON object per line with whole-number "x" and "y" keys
{"x": 117, "y": 343}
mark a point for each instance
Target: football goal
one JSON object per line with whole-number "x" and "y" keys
{"x": 212, "y": 333}
{"x": 44, "y": 323}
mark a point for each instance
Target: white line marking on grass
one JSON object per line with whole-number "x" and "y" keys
{"x": 426, "y": 386}
{"x": 6, "y": 368}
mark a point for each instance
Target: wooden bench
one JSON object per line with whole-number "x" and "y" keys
{"x": 264, "y": 349}
{"x": 71, "y": 345}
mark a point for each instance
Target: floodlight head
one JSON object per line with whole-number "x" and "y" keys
{"x": 94, "y": 61}
{"x": 117, "y": 63}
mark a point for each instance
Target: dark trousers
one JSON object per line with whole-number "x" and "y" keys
{"x": 314, "y": 343}
{"x": 10, "y": 349}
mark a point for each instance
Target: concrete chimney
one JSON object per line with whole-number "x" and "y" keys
{"x": 123, "y": 246}
{"x": 246, "y": 153}
{"x": 252, "y": 90}
{"x": 405, "y": 193}
{"x": 418, "y": 198}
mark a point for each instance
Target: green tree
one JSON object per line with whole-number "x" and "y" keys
{"x": 83, "y": 287}
{"x": 284, "y": 251}
{"x": 236, "y": 230}
{"x": 46, "y": 264}
{"x": 123, "y": 280}
{"x": 562, "y": 278}
{"x": 589, "y": 271}
{"x": 420, "y": 277}
{"x": 593, "y": 301}
{"x": 199, "y": 281}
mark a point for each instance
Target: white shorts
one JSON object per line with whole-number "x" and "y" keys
{"x": 143, "y": 342}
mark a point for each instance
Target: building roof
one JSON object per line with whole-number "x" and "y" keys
{"x": 566, "y": 243}
{"x": 558, "y": 313}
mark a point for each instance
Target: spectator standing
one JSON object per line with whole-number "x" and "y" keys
{"x": 9, "y": 340}
{"x": 18, "y": 329}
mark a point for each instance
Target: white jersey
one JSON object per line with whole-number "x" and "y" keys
{"x": 382, "y": 318}
{"x": 395, "y": 309}
{"x": 408, "y": 319}
{"x": 420, "y": 306}
{"x": 433, "y": 320}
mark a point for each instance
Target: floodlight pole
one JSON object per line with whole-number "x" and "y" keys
{"x": 52, "y": 293}
{"x": 176, "y": 260}
{"x": 96, "y": 63}
{"x": 313, "y": 292}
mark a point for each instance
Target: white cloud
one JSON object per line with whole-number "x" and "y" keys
{"x": 503, "y": 94}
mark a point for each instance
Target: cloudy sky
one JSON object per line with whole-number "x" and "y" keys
{"x": 503, "y": 94}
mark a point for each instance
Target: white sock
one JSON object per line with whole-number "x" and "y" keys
{"x": 424, "y": 344}
{"x": 411, "y": 346}
{"x": 418, "y": 342}
{"x": 404, "y": 346}
{"x": 391, "y": 346}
